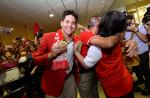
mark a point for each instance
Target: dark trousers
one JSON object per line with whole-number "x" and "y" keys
{"x": 130, "y": 95}
{"x": 143, "y": 69}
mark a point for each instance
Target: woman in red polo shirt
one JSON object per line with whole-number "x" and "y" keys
{"x": 115, "y": 79}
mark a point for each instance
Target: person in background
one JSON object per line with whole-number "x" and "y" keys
{"x": 148, "y": 11}
{"x": 8, "y": 62}
{"x": 144, "y": 54}
{"x": 142, "y": 41}
{"x": 140, "y": 33}
{"x": 115, "y": 79}
{"x": 38, "y": 37}
{"x": 148, "y": 26}
{"x": 1, "y": 52}
{"x": 31, "y": 47}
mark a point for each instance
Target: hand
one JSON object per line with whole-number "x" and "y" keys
{"x": 56, "y": 49}
{"x": 135, "y": 29}
{"x": 33, "y": 70}
{"x": 77, "y": 46}
{"x": 132, "y": 27}
{"x": 132, "y": 48}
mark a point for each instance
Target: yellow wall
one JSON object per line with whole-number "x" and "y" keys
{"x": 19, "y": 30}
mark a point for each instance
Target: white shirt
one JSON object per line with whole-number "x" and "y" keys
{"x": 142, "y": 47}
{"x": 94, "y": 54}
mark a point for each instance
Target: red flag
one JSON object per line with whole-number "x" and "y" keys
{"x": 36, "y": 27}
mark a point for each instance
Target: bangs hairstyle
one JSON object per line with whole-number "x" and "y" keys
{"x": 112, "y": 23}
{"x": 69, "y": 12}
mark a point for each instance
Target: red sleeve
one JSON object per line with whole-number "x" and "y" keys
{"x": 76, "y": 38}
{"x": 86, "y": 36}
{"x": 41, "y": 55}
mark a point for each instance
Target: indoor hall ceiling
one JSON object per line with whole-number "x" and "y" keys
{"x": 27, "y": 12}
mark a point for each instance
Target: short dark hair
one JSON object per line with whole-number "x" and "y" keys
{"x": 146, "y": 18}
{"x": 69, "y": 12}
{"x": 129, "y": 17}
{"x": 94, "y": 20}
{"x": 112, "y": 22}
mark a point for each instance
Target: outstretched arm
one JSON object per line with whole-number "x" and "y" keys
{"x": 108, "y": 42}
{"x": 105, "y": 42}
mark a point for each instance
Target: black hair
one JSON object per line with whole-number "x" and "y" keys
{"x": 40, "y": 33}
{"x": 148, "y": 9}
{"x": 69, "y": 12}
{"x": 147, "y": 12}
{"x": 129, "y": 17}
{"x": 18, "y": 38}
{"x": 146, "y": 18}
{"x": 112, "y": 22}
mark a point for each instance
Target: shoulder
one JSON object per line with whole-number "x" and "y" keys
{"x": 49, "y": 34}
{"x": 86, "y": 34}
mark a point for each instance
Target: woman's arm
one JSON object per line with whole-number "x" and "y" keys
{"x": 106, "y": 42}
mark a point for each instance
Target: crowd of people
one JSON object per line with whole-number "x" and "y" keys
{"x": 15, "y": 56}
{"x": 69, "y": 61}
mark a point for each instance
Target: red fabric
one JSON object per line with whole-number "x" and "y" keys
{"x": 148, "y": 36}
{"x": 24, "y": 96}
{"x": 52, "y": 81}
{"x": 36, "y": 28}
{"x": 85, "y": 38}
{"x": 8, "y": 64}
{"x": 114, "y": 77}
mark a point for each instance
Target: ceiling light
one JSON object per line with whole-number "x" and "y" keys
{"x": 51, "y": 15}
{"x": 11, "y": 28}
{"x": 103, "y": 1}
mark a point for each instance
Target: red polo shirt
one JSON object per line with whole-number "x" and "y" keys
{"x": 114, "y": 77}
